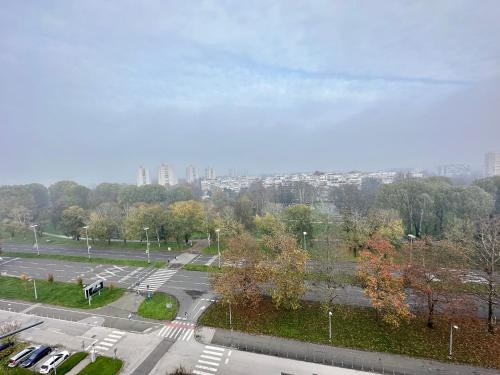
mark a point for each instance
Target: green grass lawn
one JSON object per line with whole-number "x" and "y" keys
{"x": 71, "y": 362}
{"x": 83, "y": 259}
{"x": 102, "y": 366}
{"x": 155, "y": 307}
{"x": 47, "y": 239}
{"x": 201, "y": 268}
{"x": 357, "y": 327}
{"x": 56, "y": 293}
{"x": 211, "y": 250}
{"x": 4, "y": 360}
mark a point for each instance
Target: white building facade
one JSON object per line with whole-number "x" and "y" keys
{"x": 192, "y": 174}
{"x": 492, "y": 164}
{"x": 210, "y": 173}
{"x": 166, "y": 175}
{"x": 143, "y": 176}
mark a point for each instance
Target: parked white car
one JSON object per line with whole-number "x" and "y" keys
{"x": 22, "y": 355}
{"x": 54, "y": 361}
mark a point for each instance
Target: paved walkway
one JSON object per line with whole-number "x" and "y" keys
{"x": 340, "y": 357}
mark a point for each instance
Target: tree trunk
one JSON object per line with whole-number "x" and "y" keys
{"x": 430, "y": 316}
{"x": 109, "y": 241}
{"x": 491, "y": 323}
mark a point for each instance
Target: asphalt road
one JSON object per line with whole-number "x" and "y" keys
{"x": 116, "y": 253}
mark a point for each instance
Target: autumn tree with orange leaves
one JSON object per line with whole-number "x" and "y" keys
{"x": 385, "y": 289}
{"x": 243, "y": 271}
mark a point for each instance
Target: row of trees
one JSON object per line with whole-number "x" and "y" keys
{"x": 178, "y": 220}
{"x": 443, "y": 275}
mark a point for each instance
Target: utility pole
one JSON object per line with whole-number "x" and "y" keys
{"x": 218, "y": 244}
{"x": 147, "y": 243}
{"x": 452, "y": 327}
{"x": 36, "y": 238}
{"x": 87, "y": 237}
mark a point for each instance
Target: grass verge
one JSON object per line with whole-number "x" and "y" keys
{"x": 82, "y": 259}
{"x": 4, "y": 360}
{"x": 47, "y": 239}
{"x": 156, "y": 307}
{"x": 103, "y": 366}
{"x": 55, "y": 293}
{"x": 357, "y": 327}
{"x": 201, "y": 268}
{"x": 71, "y": 362}
{"x": 211, "y": 250}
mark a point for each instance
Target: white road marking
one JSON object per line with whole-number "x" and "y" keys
{"x": 105, "y": 343}
{"x": 210, "y": 357}
{"x": 201, "y": 372}
{"x": 206, "y": 368}
{"x": 229, "y": 354}
{"x": 121, "y": 333}
{"x": 110, "y": 340}
{"x": 226, "y": 361}
{"x": 208, "y": 362}
{"x": 212, "y": 353}
{"x": 114, "y": 336}
{"x": 214, "y": 348}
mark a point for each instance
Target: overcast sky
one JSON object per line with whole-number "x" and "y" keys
{"x": 90, "y": 90}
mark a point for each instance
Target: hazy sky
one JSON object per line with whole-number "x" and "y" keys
{"x": 90, "y": 90}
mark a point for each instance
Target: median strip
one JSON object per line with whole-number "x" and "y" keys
{"x": 83, "y": 259}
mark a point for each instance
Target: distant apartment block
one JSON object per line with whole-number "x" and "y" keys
{"x": 166, "y": 175}
{"x": 454, "y": 170}
{"x": 210, "y": 173}
{"x": 492, "y": 164}
{"x": 143, "y": 176}
{"x": 192, "y": 174}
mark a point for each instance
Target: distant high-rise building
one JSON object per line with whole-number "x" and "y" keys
{"x": 492, "y": 164}
{"x": 192, "y": 174}
{"x": 454, "y": 170}
{"x": 166, "y": 175}
{"x": 143, "y": 176}
{"x": 209, "y": 173}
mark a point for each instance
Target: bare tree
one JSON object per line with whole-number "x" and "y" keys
{"x": 480, "y": 244}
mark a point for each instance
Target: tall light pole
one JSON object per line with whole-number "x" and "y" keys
{"x": 411, "y": 237}
{"x": 330, "y": 324}
{"x": 34, "y": 288}
{"x": 87, "y": 237}
{"x": 218, "y": 244}
{"x": 36, "y": 239}
{"x": 147, "y": 243}
{"x": 305, "y": 246}
{"x": 452, "y": 327}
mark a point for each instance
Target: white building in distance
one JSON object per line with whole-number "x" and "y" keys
{"x": 143, "y": 176}
{"x": 492, "y": 164}
{"x": 210, "y": 173}
{"x": 166, "y": 175}
{"x": 192, "y": 174}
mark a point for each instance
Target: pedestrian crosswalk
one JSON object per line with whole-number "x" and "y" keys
{"x": 210, "y": 360}
{"x": 156, "y": 280}
{"x": 109, "y": 341}
{"x": 177, "y": 330}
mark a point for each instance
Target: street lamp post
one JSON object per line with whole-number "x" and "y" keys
{"x": 230, "y": 316}
{"x": 218, "y": 244}
{"x": 36, "y": 238}
{"x": 330, "y": 324}
{"x": 147, "y": 243}
{"x": 452, "y": 327}
{"x": 87, "y": 238}
{"x": 34, "y": 289}
{"x": 305, "y": 249}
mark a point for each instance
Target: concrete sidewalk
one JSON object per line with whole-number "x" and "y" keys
{"x": 382, "y": 363}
